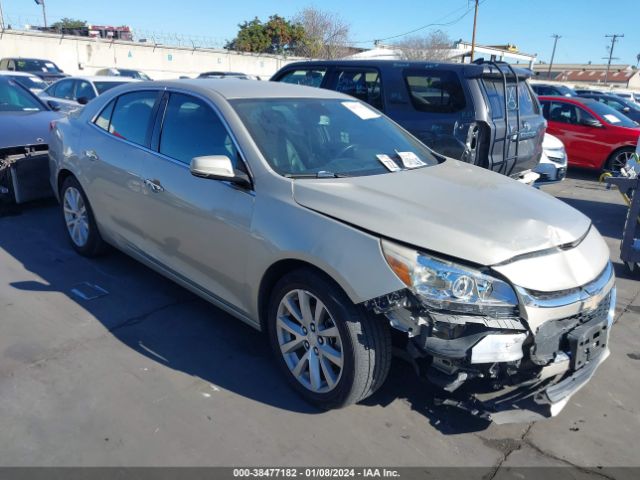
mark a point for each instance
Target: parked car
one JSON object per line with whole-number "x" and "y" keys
{"x": 123, "y": 72}
{"x": 589, "y": 91}
{"x": 24, "y": 135}
{"x": 332, "y": 226}
{"x": 458, "y": 110}
{"x": 73, "y": 92}
{"x": 594, "y": 134}
{"x": 555, "y": 89}
{"x": 220, "y": 74}
{"x": 553, "y": 164}
{"x": 34, "y": 83}
{"x": 45, "y": 69}
{"x": 623, "y": 106}
{"x": 629, "y": 95}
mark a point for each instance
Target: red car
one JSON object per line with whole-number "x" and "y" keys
{"x": 594, "y": 134}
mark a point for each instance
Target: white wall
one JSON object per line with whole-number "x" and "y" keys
{"x": 80, "y": 55}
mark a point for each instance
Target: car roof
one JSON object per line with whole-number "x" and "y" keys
{"x": 580, "y": 100}
{"x": 233, "y": 88}
{"x": 469, "y": 69}
{"x": 29, "y": 58}
{"x": 12, "y": 73}
{"x": 100, "y": 78}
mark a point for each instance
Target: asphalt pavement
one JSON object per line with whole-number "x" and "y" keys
{"x": 106, "y": 363}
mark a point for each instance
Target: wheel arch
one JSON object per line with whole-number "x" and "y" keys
{"x": 274, "y": 273}
{"x": 614, "y": 152}
{"x": 63, "y": 174}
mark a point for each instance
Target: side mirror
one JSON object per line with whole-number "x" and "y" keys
{"x": 590, "y": 122}
{"x": 53, "y": 105}
{"x": 218, "y": 167}
{"x": 82, "y": 100}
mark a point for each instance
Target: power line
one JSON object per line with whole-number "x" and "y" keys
{"x": 435, "y": 24}
{"x": 613, "y": 38}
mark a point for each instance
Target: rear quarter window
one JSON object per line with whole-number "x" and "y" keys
{"x": 435, "y": 91}
{"x": 497, "y": 97}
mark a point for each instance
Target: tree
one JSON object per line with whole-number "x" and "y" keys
{"x": 278, "y": 35}
{"x": 434, "y": 46}
{"x": 69, "y": 24}
{"x": 637, "y": 60}
{"x": 326, "y": 34}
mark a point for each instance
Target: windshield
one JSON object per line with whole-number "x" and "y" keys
{"x": 26, "y": 65}
{"x": 612, "y": 116}
{"x": 14, "y": 98}
{"x": 102, "y": 87}
{"x": 133, "y": 74}
{"x": 30, "y": 82}
{"x": 328, "y": 137}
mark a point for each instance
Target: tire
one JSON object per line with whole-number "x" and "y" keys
{"x": 618, "y": 158}
{"x": 79, "y": 220}
{"x": 361, "y": 341}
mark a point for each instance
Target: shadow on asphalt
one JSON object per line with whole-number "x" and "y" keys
{"x": 182, "y": 331}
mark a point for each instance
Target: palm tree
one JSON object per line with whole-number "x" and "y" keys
{"x": 637, "y": 60}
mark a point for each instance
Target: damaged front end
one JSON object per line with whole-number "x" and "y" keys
{"x": 499, "y": 351}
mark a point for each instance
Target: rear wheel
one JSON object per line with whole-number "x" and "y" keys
{"x": 79, "y": 220}
{"x": 619, "y": 158}
{"x": 332, "y": 352}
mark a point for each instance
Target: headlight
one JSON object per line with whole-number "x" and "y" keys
{"x": 445, "y": 285}
{"x": 557, "y": 155}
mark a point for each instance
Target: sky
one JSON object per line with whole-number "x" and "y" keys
{"x": 528, "y": 24}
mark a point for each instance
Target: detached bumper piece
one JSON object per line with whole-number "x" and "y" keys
{"x": 24, "y": 174}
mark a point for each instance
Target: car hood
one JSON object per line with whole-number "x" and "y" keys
{"x": 25, "y": 128}
{"x": 453, "y": 208}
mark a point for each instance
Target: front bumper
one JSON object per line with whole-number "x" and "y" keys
{"x": 566, "y": 334}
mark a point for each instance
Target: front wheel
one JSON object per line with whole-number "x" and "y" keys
{"x": 619, "y": 159}
{"x": 332, "y": 352}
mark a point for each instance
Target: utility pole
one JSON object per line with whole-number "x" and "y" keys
{"x": 1, "y": 17}
{"x": 44, "y": 11}
{"x": 613, "y": 38}
{"x": 553, "y": 53}
{"x": 473, "y": 37}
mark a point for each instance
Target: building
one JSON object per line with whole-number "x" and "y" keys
{"x": 620, "y": 75}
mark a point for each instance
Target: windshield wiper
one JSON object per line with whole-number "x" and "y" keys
{"x": 320, "y": 174}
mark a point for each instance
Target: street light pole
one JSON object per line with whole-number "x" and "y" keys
{"x": 553, "y": 54}
{"x": 613, "y": 38}
{"x": 44, "y": 11}
{"x": 1, "y": 17}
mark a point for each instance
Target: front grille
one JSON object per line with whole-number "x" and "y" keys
{"x": 551, "y": 337}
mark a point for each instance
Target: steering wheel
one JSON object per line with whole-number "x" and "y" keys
{"x": 345, "y": 150}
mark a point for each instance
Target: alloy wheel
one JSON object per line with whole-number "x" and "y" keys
{"x": 309, "y": 341}
{"x": 76, "y": 216}
{"x": 620, "y": 160}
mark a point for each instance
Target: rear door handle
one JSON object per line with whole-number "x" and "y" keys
{"x": 91, "y": 155}
{"x": 154, "y": 186}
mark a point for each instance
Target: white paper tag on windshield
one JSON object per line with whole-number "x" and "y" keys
{"x": 388, "y": 162}
{"x": 360, "y": 110}
{"x": 612, "y": 118}
{"x": 410, "y": 160}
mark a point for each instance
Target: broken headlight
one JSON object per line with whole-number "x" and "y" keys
{"x": 449, "y": 286}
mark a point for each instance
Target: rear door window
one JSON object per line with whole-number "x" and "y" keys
{"x": 361, "y": 83}
{"x": 132, "y": 116}
{"x": 495, "y": 91}
{"x": 192, "y": 129}
{"x": 104, "y": 119}
{"x": 435, "y": 91}
{"x": 311, "y": 77}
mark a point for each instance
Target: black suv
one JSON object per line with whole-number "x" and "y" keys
{"x": 470, "y": 112}
{"x": 552, "y": 90}
{"x": 45, "y": 69}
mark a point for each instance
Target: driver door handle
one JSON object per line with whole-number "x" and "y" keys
{"x": 153, "y": 185}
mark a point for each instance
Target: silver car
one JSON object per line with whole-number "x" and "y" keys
{"x": 311, "y": 216}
